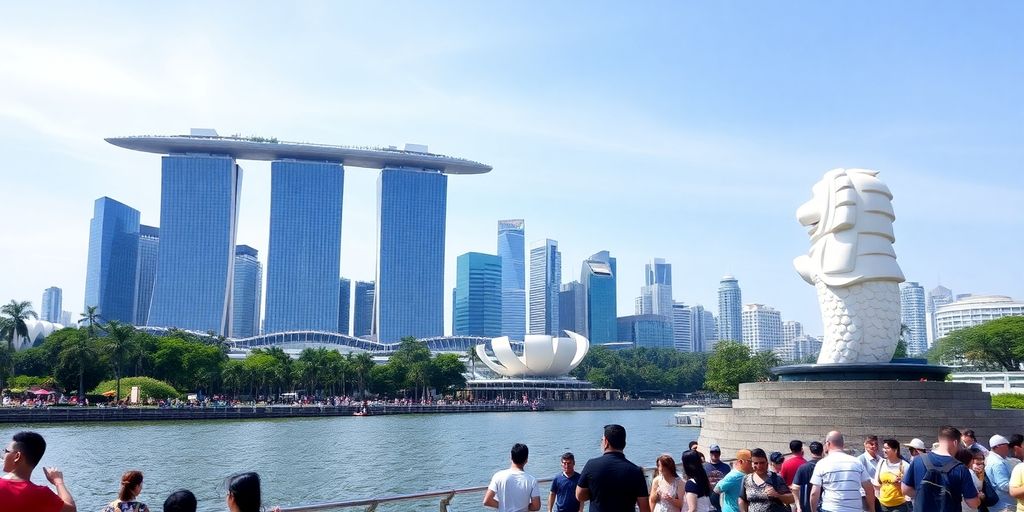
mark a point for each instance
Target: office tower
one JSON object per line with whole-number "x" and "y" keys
{"x": 730, "y": 309}
{"x": 411, "y": 209}
{"x": 362, "y": 312}
{"x": 702, "y": 329}
{"x": 638, "y": 305}
{"x": 545, "y": 283}
{"x": 598, "y": 278}
{"x": 66, "y": 320}
{"x": 682, "y": 328}
{"x": 477, "y": 295}
{"x": 572, "y": 308}
{"x": 145, "y": 271}
{"x": 912, "y": 317}
{"x": 512, "y": 251}
{"x": 51, "y": 305}
{"x": 657, "y": 291}
{"x": 304, "y": 254}
{"x": 804, "y": 347}
{"x": 651, "y": 331}
{"x": 762, "y": 327}
{"x": 110, "y": 270}
{"x": 939, "y": 296}
{"x": 198, "y": 219}
{"x": 790, "y": 330}
{"x": 973, "y": 310}
{"x": 344, "y": 305}
{"x": 246, "y": 293}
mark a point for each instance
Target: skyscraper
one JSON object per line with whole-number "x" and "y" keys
{"x": 545, "y": 283}
{"x": 651, "y": 331}
{"x": 198, "y": 218}
{"x": 598, "y": 278}
{"x": 477, "y": 295}
{"x": 939, "y": 296}
{"x": 110, "y": 270}
{"x": 762, "y": 327}
{"x": 791, "y": 329}
{"x": 682, "y": 328}
{"x": 246, "y": 293}
{"x": 912, "y": 316}
{"x": 304, "y": 254}
{"x": 572, "y": 308}
{"x": 344, "y": 305}
{"x": 145, "y": 271}
{"x": 730, "y": 309}
{"x": 657, "y": 291}
{"x": 411, "y": 212}
{"x": 52, "y": 303}
{"x": 702, "y": 328}
{"x": 362, "y": 312}
{"x": 512, "y": 251}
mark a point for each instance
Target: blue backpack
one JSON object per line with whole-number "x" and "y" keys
{"x": 933, "y": 495}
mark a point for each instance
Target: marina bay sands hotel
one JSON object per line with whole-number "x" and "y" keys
{"x": 200, "y": 188}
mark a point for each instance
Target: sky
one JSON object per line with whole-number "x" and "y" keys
{"x": 689, "y": 131}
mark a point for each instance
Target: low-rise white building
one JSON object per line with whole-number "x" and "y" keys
{"x": 974, "y": 310}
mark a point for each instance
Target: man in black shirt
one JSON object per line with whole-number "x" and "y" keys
{"x": 802, "y": 479}
{"x": 610, "y": 482}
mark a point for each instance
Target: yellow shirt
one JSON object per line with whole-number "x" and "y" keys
{"x": 1017, "y": 480}
{"x": 889, "y": 476}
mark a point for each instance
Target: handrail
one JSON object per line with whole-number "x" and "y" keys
{"x": 371, "y": 504}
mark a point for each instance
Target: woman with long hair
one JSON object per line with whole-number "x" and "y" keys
{"x": 698, "y": 487}
{"x": 665, "y": 493}
{"x": 131, "y": 487}
{"x": 244, "y": 492}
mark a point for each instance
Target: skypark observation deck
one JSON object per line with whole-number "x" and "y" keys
{"x": 256, "y": 148}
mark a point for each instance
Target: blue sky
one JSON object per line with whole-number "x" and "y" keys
{"x": 683, "y": 130}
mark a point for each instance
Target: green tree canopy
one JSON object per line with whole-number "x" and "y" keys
{"x": 996, "y": 344}
{"x": 731, "y": 364}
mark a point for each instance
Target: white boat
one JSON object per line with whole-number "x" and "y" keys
{"x": 690, "y": 416}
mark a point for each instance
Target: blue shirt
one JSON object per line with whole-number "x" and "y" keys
{"x": 729, "y": 487}
{"x": 961, "y": 485}
{"x": 564, "y": 489}
{"x": 997, "y": 471}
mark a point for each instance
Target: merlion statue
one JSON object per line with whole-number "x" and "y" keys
{"x": 853, "y": 266}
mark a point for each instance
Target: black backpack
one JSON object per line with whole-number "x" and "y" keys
{"x": 933, "y": 495}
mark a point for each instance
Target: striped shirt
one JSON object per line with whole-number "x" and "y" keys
{"x": 840, "y": 477}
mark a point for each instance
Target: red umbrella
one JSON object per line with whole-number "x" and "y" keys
{"x": 43, "y": 392}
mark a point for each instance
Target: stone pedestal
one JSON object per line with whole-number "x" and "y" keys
{"x": 769, "y": 415}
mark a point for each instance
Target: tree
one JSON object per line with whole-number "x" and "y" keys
{"x": 92, "y": 320}
{"x": 731, "y": 364}
{"x": 996, "y": 344}
{"x": 12, "y": 325}
{"x": 447, "y": 371}
{"x": 119, "y": 343}
{"x": 79, "y": 357}
{"x": 362, "y": 365}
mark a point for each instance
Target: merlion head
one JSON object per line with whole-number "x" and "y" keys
{"x": 849, "y": 219}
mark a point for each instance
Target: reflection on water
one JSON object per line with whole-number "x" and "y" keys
{"x": 314, "y": 460}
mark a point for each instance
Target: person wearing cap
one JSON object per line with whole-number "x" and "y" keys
{"x": 998, "y": 470}
{"x": 915, "y": 447}
{"x": 793, "y": 463}
{"x": 802, "y": 480}
{"x": 969, "y": 441}
{"x": 716, "y": 470}
{"x": 776, "y": 459}
{"x": 730, "y": 486}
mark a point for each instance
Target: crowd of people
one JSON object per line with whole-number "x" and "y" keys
{"x": 956, "y": 474}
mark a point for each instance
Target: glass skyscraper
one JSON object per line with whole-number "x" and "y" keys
{"x": 657, "y": 292}
{"x": 651, "y": 331}
{"x": 477, "y": 295}
{"x": 246, "y": 293}
{"x": 411, "y": 214}
{"x": 195, "y": 268}
{"x": 145, "y": 271}
{"x": 52, "y": 303}
{"x": 572, "y": 308}
{"x": 545, "y": 283}
{"x": 730, "y": 309}
{"x": 702, "y": 329}
{"x": 682, "y": 328}
{"x": 362, "y": 312}
{"x": 598, "y": 277}
{"x": 304, "y": 254}
{"x": 939, "y": 296}
{"x": 110, "y": 270}
{"x": 912, "y": 315}
{"x": 344, "y": 305}
{"x": 512, "y": 251}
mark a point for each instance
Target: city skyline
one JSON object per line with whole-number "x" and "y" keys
{"x": 725, "y": 165}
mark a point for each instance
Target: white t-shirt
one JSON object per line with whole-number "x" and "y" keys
{"x": 841, "y": 477}
{"x": 514, "y": 489}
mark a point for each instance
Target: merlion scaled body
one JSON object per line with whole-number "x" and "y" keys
{"x": 853, "y": 266}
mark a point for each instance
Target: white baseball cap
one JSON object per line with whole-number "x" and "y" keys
{"x": 916, "y": 444}
{"x": 997, "y": 440}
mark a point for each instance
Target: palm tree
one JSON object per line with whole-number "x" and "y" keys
{"x": 361, "y": 364}
{"x": 12, "y": 325}
{"x": 77, "y": 353}
{"x": 120, "y": 341}
{"x": 92, "y": 320}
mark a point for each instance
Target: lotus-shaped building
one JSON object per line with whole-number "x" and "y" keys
{"x": 543, "y": 355}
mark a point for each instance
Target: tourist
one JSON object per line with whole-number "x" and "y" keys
{"x": 802, "y": 480}
{"x": 763, "y": 490}
{"x": 986, "y": 494}
{"x": 730, "y": 487}
{"x": 942, "y": 458}
{"x": 915, "y": 447}
{"x": 611, "y": 482}
{"x": 776, "y": 459}
{"x": 840, "y": 482}
{"x": 870, "y": 459}
{"x": 793, "y": 463}
{"x": 997, "y": 471}
{"x": 17, "y": 492}
{"x": 716, "y": 470}
{"x": 562, "y": 497}
{"x": 244, "y": 493}
{"x": 888, "y": 479}
{"x": 181, "y": 500}
{"x": 131, "y": 487}
{"x": 969, "y": 441}
{"x": 1016, "y": 450}
{"x": 666, "y": 488}
{"x": 513, "y": 489}
{"x": 697, "y": 487}
{"x": 1017, "y": 486}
